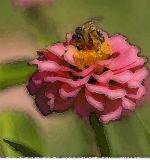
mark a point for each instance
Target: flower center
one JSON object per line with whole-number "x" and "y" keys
{"x": 85, "y": 58}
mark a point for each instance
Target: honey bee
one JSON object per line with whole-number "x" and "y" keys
{"x": 88, "y": 36}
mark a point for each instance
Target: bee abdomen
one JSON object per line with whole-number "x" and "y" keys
{"x": 100, "y": 34}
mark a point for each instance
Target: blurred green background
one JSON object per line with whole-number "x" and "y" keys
{"x": 21, "y": 34}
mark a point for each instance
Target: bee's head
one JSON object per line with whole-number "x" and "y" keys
{"x": 78, "y": 30}
{"x": 76, "y": 37}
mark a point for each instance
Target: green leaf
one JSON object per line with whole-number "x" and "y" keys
{"x": 21, "y": 129}
{"x": 15, "y": 73}
{"x": 130, "y": 136}
{"x": 100, "y": 134}
{"x": 24, "y": 150}
{"x": 2, "y": 154}
{"x": 68, "y": 136}
{"x": 143, "y": 114}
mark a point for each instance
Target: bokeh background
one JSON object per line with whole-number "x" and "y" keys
{"x": 23, "y": 31}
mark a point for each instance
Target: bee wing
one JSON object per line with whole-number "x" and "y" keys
{"x": 93, "y": 20}
{"x": 98, "y": 18}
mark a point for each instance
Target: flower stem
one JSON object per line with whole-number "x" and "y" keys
{"x": 100, "y": 134}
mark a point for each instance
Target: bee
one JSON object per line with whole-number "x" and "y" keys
{"x": 88, "y": 36}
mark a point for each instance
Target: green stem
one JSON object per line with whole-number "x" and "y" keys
{"x": 100, "y": 134}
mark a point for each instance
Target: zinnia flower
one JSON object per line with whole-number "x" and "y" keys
{"x": 32, "y": 3}
{"x": 108, "y": 81}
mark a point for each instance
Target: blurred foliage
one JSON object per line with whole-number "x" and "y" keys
{"x": 15, "y": 73}
{"x": 22, "y": 129}
{"x": 69, "y": 136}
{"x": 63, "y": 135}
{"x": 24, "y": 150}
{"x": 66, "y": 135}
{"x": 129, "y": 137}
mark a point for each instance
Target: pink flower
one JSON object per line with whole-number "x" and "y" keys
{"x": 108, "y": 83}
{"x": 32, "y": 3}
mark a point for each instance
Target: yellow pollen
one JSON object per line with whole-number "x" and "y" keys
{"x": 85, "y": 58}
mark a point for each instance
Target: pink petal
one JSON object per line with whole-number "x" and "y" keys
{"x": 139, "y": 94}
{"x": 71, "y": 82}
{"x": 51, "y": 101}
{"x": 112, "y": 94}
{"x": 83, "y": 73}
{"x": 81, "y": 106}
{"x": 128, "y": 104}
{"x": 104, "y": 77}
{"x": 134, "y": 84}
{"x": 52, "y": 88}
{"x": 95, "y": 100}
{"x": 86, "y": 72}
{"x": 55, "y": 102}
{"x": 122, "y": 77}
{"x": 68, "y": 37}
{"x": 127, "y": 53}
{"x": 57, "y": 49}
{"x": 112, "y": 110}
{"x": 141, "y": 74}
{"x": 69, "y": 54}
{"x": 104, "y": 62}
{"x": 139, "y": 61}
{"x": 138, "y": 76}
{"x": 68, "y": 91}
{"x": 41, "y": 101}
{"x": 52, "y": 57}
{"x": 105, "y": 34}
{"x": 62, "y": 104}
{"x": 111, "y": 116}
{"x": 50, "y": 66}
{"x": 38, "y": 76}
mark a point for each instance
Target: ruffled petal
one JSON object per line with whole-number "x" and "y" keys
{"x": 57, "y": 49}
{"x": 52, "y": 57}
{"x": 128, "y": 104}
{"x": 127, "y": 53}
{"x": 61, "y": 104}
{"x": 69, "y": 55}
{"x": 68, "y": 37}
{"x": 123, "y": 77}
{"x": 113, "y": 110}
{"x": 51, "y": 101}
{"x": 104, "y": 77}
{"x": 138, "y": 76}
{"x": 96, "y": 100}
{"x": 112, "y": 94}
{"x": 41, "y": 102}
{"x": 32, "y": 87}
{"x": 55, "y": 101}
{"x": 111, "y": 116}
{"x": 81, "y": 106}
{"x": 49, "y": 66}
{"x": 68, "y": 91}
{"x": 71, "y": 82}
{"x": 141, "y": 74}
{"x": 140, "y": 93}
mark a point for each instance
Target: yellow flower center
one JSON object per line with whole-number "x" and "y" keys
{"x": 85, "y": 58}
